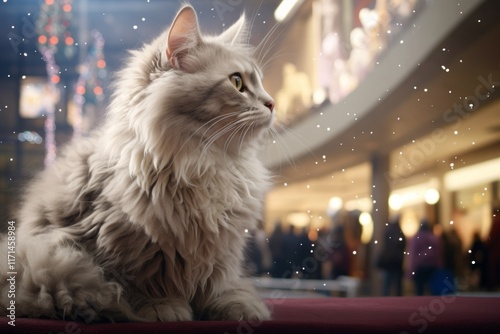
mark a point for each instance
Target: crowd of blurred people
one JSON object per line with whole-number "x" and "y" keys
{"x": 434, "y": 260}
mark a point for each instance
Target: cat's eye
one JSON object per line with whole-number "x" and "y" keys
{"x": 237, "y": 82}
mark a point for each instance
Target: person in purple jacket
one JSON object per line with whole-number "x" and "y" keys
{"x": 424, "y": 257}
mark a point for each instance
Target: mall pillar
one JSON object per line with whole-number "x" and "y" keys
{"x": 380, "y": 215}
{"x": 495, "y": 192}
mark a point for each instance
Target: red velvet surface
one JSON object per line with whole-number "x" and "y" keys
{"x": 447, "y": 314}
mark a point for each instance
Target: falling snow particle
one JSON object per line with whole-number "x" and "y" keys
{"x": 135, "y": 27}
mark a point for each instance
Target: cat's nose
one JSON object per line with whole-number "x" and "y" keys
{"x": 270, "y": 105}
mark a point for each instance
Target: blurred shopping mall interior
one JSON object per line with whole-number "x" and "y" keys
{"x": 387, "y": 110}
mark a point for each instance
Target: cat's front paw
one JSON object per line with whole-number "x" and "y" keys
{"x": 237, "y": 305}
{"x": 166, "y": 310}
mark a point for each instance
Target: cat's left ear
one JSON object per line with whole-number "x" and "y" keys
{"x": 237, "y": 33}
{"x": 183, "y": 35}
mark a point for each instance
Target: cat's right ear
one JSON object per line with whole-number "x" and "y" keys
{"x": 183, "y": 35}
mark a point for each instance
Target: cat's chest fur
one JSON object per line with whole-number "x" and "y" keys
{"x": 184, "y": 232}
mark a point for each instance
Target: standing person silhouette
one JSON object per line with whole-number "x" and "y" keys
{"x": 340, "y": 256}
{"x": 425, "y": 257}
{"x": 277, "y": 246}
{"x": 390, "y": 260}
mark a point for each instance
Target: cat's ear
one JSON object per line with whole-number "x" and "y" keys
{"x": 237, "y": 33}
{"x": 183, "y": 35}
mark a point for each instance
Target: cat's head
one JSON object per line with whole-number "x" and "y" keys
{"x": 206, "y": 90}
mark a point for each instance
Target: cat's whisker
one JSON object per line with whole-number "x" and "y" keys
{"x": 252, "y": 21}
{"x": 250, "y": 128}
{"x": 232, "y": 136}
{"x": 283, "y": 148}
{"x": 212, "y": 123}
{"x": 264, "y": 66}
{"x": 263, "y": 45}
{"x": 242, "y": 130}
{"x": 217, "y": 120}
{"x": 212, "y": 139}
{"x": 297, "y": 138}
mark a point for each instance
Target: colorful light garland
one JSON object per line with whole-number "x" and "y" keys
{"x": 89, "y": 84}
{"x": 50, "y": 124}
{"x": 53, "y": 27}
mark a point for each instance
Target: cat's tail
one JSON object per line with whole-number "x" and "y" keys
{"x": 49, "y": 280}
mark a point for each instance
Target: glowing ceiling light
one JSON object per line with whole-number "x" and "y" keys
{"x": 298, "y": 219}
{"x": 366, "y": 221}
{"x": 395, "y": 202}
{"x": 335, "y": 203}
{"x": 431, "y": 196}
{"x": 285, "y": 8}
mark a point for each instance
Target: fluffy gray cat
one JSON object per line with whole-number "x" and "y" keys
{"x": 146, "y": 220}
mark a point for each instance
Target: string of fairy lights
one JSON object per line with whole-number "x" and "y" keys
{"x": 90, "y": 82}
{"x": 56, "y": 42}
